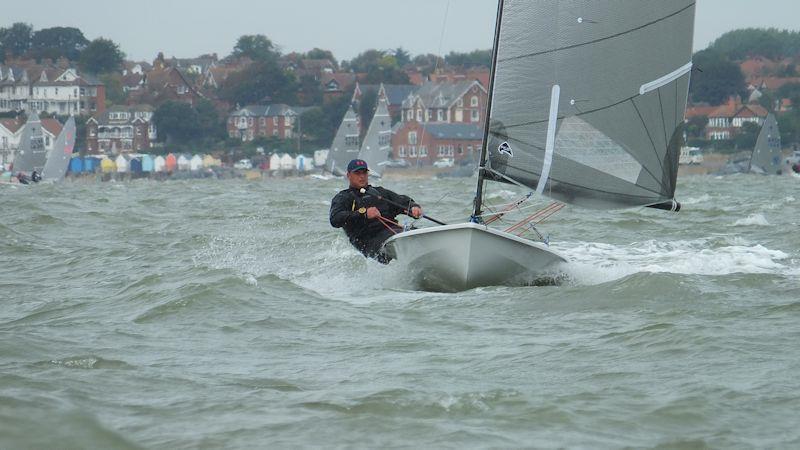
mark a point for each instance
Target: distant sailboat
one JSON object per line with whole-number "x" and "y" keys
{"x": 32, "y": 155}
{"x": 766, "y": 158}
{"x": 586, "y": 106}
{"x": 377, "y": 143}
{"x": 58, "y": 160}
{"x": 345, "y": 144}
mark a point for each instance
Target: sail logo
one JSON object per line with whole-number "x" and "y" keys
{"x": 505, "y": 149}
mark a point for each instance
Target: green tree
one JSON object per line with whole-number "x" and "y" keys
{"x": 56, "y": 42}
{"x": 177, "y": 122}
{"x": 428, "y": 63}
{"x": 260, "y": 82}
{"x": 475, "y": 58}
{"x": 317, "y": 53}
{"x": 101, "y": 56}
{"x": 211, "y": 126}
{"x": 256, "y": 47}
{"x": 17, "y": 38}
{"x": 115, "y": 95}
{"x": 770, "y": 43}
{"x": 403, "y": 57}
{"x": 715, "y": 78}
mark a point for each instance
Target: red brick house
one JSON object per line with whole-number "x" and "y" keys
{"x": 121, "y": 129}
{"x": 459, "y": 102}
{"x": 394, "y": 94}
{"x": 423, "y": 143}
{"x": 255, "y": 121}
{"x": 725, "y": 121}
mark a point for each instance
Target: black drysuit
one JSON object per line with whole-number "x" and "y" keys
{"x": 348, "y": 211}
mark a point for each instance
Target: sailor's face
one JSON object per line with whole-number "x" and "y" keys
{"x": 358, "y": 179}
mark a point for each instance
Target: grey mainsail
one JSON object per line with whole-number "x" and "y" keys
{"x": 345, "y": 144}
{"x": 32, "y": 154}
{"x": 58, "y": 160}
{"x": 588, "y": 99}
{"x": 377, "y": 142}
{"x": 766, "y": 158}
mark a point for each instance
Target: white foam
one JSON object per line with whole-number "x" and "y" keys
{"x": 592, "y": 263}
{"x": 695, "y": 200}
{"x": 752, "y": 219}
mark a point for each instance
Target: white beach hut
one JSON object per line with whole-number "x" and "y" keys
{"x": 196, "y": 163}
{"x": 183, "y": 163}
{"x": 320, "y": 156}
{"x": 122, "y": 164}
{"x": 287, "y": 162}
{"x": 159, "y": 164}
{"x": 304, "y": 163}
{"x": 275, "y": 162}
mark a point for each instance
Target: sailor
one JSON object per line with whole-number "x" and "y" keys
{"x": 368, "y": 214}
{"x": 22, "y": 178}
{"x": 35, "y": 177}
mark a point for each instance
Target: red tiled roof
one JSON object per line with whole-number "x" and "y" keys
{"x": 11, "y": 125}
{"x": 52, "y": 125}
{"x": 773, "y": 83}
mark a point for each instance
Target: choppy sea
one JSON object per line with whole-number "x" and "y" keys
{"x": 229, "y": 314}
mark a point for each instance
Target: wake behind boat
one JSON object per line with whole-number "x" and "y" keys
{"x": 584, "y": 108}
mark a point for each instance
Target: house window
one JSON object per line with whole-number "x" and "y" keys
{"x": 412, "y": 151}
{"x": 419, "y": 115}
{"x": 263, "y": 121}
{"x": 473, "y": 101}
{"x": 440, "y": 151}
{"x": 274, "y": 131}
{"x": 412, "y": 137}
{"x": 475, "y": 115}
{"x": 440, "y": 115}
{"x": 401, "y": 152}
{"x": 250, "y": 121}
{"x": 410, "y": 115}
{"x": 423, "y": 151}
{"x": 460, "y": 102}
{"x": 275, "y": 121}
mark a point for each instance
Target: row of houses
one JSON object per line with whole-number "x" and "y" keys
{"x": 50, "y": 89}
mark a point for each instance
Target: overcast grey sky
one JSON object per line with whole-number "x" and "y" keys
{"x": 184, "y": 28}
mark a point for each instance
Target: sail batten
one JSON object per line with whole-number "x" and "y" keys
{"x": 623, "y": 78}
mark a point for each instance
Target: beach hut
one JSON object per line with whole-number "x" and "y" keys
{"x": 208, "y": 161}
{"x": 135, "y": 164}
{"x": 320, "y": 156}
{"x": 122, "y": 164}
{"x": 183, "y": 162}
{"x": 196, "y": 163}
{"x": 274, "y": 161}
{"x": 171, "y": 163}
{"x": 303, "y": 163}
{"x": 147, "y": 163}
{"x": 91, "y": 164}
{"x": 159, "y": 164}
{"x": 287, "y": 162}
{"x": 76, "y": 164}
{"x": 107, "y": 165}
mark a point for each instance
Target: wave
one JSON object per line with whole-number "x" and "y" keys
{"x": 753, "y": 219}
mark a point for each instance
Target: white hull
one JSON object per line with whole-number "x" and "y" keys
{"x": 468, "y": 255}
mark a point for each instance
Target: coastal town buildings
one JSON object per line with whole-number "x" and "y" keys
{"x": 458, "y": 102}
{"x": 726, "y": 121}
{"x": 121, "y": 129}
{"x": 255, "y": 121}
{"x": 424, "y": 143}
{"x": 52, "y": 90}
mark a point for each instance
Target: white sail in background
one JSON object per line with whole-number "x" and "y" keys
{"x": 376, "y": 147}
{"x": 345, "y": 144}
{"x": 58, "y": 159}
{"x": 588, "y": 99}
{"x": 766, "y": 158}
{"x": 32, "y": 154}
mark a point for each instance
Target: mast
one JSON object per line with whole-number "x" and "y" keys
{"x": 476, "y": 212}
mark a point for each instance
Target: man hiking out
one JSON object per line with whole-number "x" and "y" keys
{"x": 368, "y": 214}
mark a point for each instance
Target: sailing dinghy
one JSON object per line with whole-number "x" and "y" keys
{"x": 766, "y": 157}
{"x": 32, "y": 154}
{"x": 586, "y": 105}
{"x": 345, "y": 144}
{"x": 58, "y": 160}
{"x": 377, "y": 142}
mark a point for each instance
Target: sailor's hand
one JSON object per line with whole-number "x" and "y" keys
{"x": 416, "y": 212}
{"x": 373, "y": 212}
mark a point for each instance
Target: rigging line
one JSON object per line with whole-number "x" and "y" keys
{"x": 658, "y": 158}
{"x": 663, "y": 122}
{"x": 543, "y": 52}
